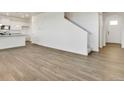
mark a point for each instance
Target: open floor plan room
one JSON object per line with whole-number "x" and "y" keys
{"x": 61, "y": 46}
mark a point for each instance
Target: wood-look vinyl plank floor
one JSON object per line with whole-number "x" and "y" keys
{"x": 38, "y": 63}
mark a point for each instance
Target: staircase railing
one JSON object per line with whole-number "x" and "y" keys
{"x": 78, "y": 25}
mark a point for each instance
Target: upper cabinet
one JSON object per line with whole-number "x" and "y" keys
{"x": 14, "y": 23}
{"x": 5, "y": 21}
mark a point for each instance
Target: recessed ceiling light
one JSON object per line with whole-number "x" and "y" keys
{"x": 27, "y": 15}
{"x": 7, "y": 14}
{"x": 22, "y": 16}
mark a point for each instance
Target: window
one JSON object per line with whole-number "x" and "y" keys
{"x": 113, "y": 22}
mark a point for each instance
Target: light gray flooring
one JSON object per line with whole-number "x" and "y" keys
{"x": 35, "y": 62}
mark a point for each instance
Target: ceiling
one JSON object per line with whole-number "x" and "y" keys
{"x": 113, "y": 13}
{"x": 24, "y": 15}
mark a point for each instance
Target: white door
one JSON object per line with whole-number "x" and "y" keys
{"x": 114, "y": 31}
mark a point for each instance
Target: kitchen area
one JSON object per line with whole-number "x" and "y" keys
{"x": 11, "y": 40}
{"x": 14, "y": 31}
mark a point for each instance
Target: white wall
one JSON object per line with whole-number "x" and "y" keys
{"x": 52, "y": 30}
{"x": 101, "y": 32}
{"x": 122, "y": 39}
{"x": 90, "y": 21}
{"x": 110, "y": 16}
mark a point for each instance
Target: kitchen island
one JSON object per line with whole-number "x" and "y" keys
{"x": 12, "y": 40}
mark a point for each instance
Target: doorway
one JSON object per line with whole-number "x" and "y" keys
{"x": 114, "y": 31}
{"x": 112, "y": 28}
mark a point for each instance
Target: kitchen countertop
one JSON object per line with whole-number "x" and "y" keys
{"x": 12, "y": 35}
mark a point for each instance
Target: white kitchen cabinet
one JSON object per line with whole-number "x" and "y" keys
{"x": 12, "y": 41}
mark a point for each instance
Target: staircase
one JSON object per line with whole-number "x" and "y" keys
{"x": 89, "y": 33}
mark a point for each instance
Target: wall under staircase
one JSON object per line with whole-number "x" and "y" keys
{"x": 84, "y": 29}
{"x": 53, "y": 30}
{"x": 89, "y": 21}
